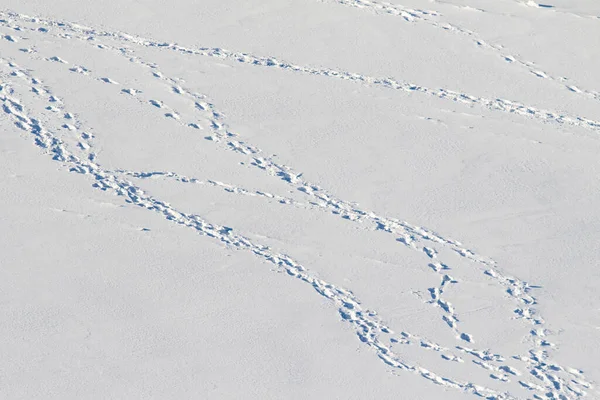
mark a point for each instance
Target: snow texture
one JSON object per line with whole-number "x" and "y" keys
{"x": 358, "y": 199}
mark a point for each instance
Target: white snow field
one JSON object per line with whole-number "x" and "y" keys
{"x": 299, "y": 199}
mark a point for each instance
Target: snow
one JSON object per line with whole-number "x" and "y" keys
{"x": 343, "y": 199}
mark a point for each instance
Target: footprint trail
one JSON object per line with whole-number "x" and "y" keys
{"x": 59, "y": 132}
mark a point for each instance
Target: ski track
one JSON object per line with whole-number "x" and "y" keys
{"x": 431, "y": 18}
{"x": 71, "y": 30}
{"x": 553, "y": 381}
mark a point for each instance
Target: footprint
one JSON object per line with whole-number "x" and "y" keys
{"x": 57, "y": 59}
{"x": 431, "y": 253}
{"x": 539, "y": 74}
{"x": 80, "y": 70}
{"x": 156, "y": 103}
{"x": 132, "y": 92}
{"x": 466, "y": 337}
{"x": 202, "y": 106}
{"x": 108, "y": 80}
{"x": 502, "y": 378}
{"x": 509, "y": 370}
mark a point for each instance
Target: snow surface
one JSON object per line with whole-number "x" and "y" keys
{"x": 299, "y": 199}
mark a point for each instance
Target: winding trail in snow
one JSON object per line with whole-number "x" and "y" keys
{"x": 67, "y": 140}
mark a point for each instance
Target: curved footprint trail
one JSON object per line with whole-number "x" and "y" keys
{"x": 368, "y": 325}
{"x": 431, "y": 18}
{"x": 70, "y": 30}
{"x": 536, "y": 361}
{"x": 409, "y": 234}
{"x": 551, "y": 378}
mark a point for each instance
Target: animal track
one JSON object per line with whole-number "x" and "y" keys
{"x": 76, "y": 151}
{"x": 57, "y": 59}
{"x": 108, "y": 80}
{"x": 432, "y": 18}
{"x": 500, "y": 105}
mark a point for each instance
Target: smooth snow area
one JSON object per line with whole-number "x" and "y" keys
{"x": 299, "y": 199}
